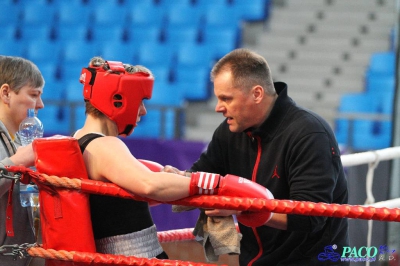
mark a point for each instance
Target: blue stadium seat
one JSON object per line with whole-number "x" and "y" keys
{"x": 73, "y": 90}
{"x": 366, "y": 133}
{"x": 10, "y": 47}
{"x": 40, "y": 2}
{"x": 78, "y": 52}
{"x": 104, "y": 33}
{"x": 195, "y": 55}
{"x": 372, "y": 135}
{"x": 382, "y": 63}
{"x": 34, "y": 13}
{"x": 143, "y": 34}
{"x": 184, "y": 15}
{"x": 193, "y": 81}
{"x": 128, "y": 4}
{"x": 206, "y": 4}
{"x": 72, "y": 14}
{"x": 149, "y": 125}
{"x": 384, "y": 102}
{"x": 161, "y": 73}
{"x": 8, "y": 32}
{"x": 52, "y": 90}
{"x": 144, "y": 13}
{"x": 159, "y": 123}
{"x": 52, "y": 119}
{"x": 221, "y": 39}
{"x": 80, "y": 116}
{"x": 254, "y": 10}
{"x": 29, "y": 32}
{"x": 49, "y": 70}
{"x": 172, "y": 4}
{"x": 170, "y": 97}
{"x": 165, "y": 93}
{"x": 109, "y": 13}
{"x": 351, "y": 103}
{"x": 42, "y": 51}
{"x": 10, "y": 13}
{"x": 356, "y": 102}
{"x": 156, "y": 53}
{"x": 117, "y": 50}
{"x": 66, "y": 32}
{"x": 70, "y": 71}
{"x": 181, "y": 34}
{"x": 73, "y": 115}
{"x": 222, "y": 26}
{"x": 378, "y": 84}
{"x": 222, "y": 16}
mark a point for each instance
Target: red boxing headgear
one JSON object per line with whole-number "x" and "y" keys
{"x": 116, "y": 93}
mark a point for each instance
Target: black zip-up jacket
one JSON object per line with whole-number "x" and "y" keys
{"x": 295, "y": 155}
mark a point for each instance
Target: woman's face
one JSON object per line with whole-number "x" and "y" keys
{"x": 141, "y": 112}
{"x": 27, "y": 98}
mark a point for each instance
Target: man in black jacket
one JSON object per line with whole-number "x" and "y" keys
{"x": 291, "y": 151}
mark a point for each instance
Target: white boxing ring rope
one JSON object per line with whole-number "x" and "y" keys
{"x": 372, "y": 158}
{"x": 393, "y": 203}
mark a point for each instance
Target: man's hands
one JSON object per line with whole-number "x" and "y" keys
{"x": 221, "y": 212}
{"x": 173, "y": 170}
{"x": 229, "y": 185}
{"x": 24, "y": 156}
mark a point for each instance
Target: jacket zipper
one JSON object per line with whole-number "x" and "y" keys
{"x": 253, "y": 178}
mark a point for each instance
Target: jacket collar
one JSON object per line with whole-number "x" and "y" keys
{"x": 282, "y": 105}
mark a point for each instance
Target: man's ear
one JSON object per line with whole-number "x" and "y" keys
{"x": 5, "y": 93}
{"x": 258, "y": 93}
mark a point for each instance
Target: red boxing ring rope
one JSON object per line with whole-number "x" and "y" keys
{"x": 218, "y": 202}
{"x": 102, "y": 259}
{"x": 176, "y": 235}
{"x": 234, "y": 203}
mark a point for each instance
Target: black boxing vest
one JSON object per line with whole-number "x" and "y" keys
{"x": 113, "y": 215}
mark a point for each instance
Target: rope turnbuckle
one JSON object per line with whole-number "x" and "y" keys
{"x": 17, "y": 251}
{"x": 4, "y": 173}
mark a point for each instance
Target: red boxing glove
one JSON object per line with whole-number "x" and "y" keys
{"x": 256, "y": 219}
{"x": 153, "y": 166}
{"x": 230, "y": 185}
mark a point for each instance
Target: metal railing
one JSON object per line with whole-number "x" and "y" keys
{"x": 353, "y": 116}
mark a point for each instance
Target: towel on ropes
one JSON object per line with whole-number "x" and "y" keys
{"x": 217, "y": 234}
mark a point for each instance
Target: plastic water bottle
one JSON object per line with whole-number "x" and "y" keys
{"x": 29, "y": 129}
{"x": 29, "y": 195}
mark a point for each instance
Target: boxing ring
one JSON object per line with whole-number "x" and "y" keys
{"x": 387, "y": 211}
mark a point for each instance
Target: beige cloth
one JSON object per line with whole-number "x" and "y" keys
{"x": 217, "y": 235}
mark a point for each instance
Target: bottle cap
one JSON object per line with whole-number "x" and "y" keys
{"x": 31, "y": 112}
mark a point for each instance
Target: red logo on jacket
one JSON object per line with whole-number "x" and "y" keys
{"x": 275, "y": 174}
